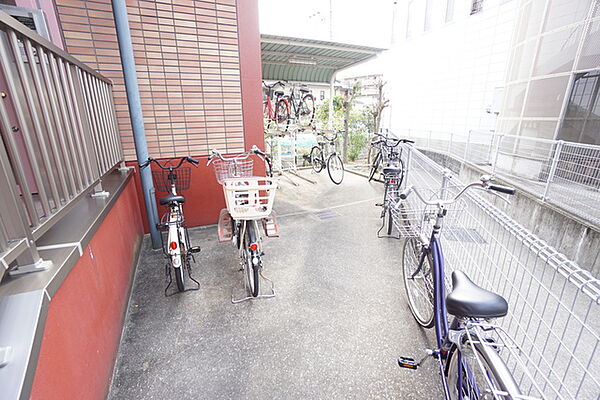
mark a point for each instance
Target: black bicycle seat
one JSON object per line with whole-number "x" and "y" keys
{"x": 278, "y": 93}
{"x": 469, "y": 300}
{"x": 303, "y": 90}
{"x": 172, "y": 199}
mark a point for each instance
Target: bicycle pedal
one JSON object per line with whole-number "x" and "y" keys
{"x": 195, "y": 249}
{"x": 407, "y": 362}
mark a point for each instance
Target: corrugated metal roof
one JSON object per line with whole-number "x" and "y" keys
{"x": 307, "y": 60}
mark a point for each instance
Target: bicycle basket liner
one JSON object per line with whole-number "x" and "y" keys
{"x": 249, "y": 198}
{"x": 232, "y": 169}
{"x": 182, "y": 182}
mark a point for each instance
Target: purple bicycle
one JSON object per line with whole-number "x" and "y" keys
{"x": 467, "y": 353}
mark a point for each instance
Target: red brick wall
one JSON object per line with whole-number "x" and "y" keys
{"x": 187, "y": 58}
{"x": 85, "y": 319}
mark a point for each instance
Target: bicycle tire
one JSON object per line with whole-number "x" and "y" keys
{"x": 334, "y": 163}
{"x": 389, "y": 222}
{"x": 179, "y": 277}
{"x": 282, "y": 115}
{"x": 306, "y": 113}
{"x": 474, "y": 356}
{"x": 423, "y": 288}
{"x": 375, "y": 166}
{"x": 316, "y": 159}
{"x": 252, "y": 270}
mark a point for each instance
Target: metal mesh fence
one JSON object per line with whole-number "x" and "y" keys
{"x": 552, "y": 330}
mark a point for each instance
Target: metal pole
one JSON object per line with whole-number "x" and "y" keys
{"x": 495, "y": 162}
{"x": 135, "y": 114}
{"x": 331, "y": 94}
{"x": 467, "y": 145}
{"x": 555, "y": 159}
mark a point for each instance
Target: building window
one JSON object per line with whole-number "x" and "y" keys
{"x": 476, "y": 6}
{"x": 582, "y": 119}
{"x": 322, "y": 95}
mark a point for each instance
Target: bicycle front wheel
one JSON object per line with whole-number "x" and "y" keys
{"x": 418, "y": 281}
{"x": 335, "y": 169}
{"x": 316, "y": 159}
{"x": 483, "y": 374}
{"x": 375, "y": 166}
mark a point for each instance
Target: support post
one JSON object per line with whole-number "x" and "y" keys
{"x": 135, "y": 114}
{"x": 496, "y": 152}
{"x": 331, "y": 94}
{"x": 555, "y": 159}
{"x": 467, "y": 145}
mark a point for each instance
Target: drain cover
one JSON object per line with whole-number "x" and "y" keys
{"x": 463, "y": 235}
{"x": 327, "y": 214}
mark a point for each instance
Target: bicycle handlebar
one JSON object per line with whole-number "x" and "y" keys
{"x": 483, "y": 183}
{"x": 214, "y": 153}
{"x": 150, "y": 160}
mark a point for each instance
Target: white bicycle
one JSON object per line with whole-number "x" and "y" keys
{"x": 177, "y": 249}
{"x": 249, "y": 202}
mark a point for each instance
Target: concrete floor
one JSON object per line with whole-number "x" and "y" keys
{"x": 334, "y": 331}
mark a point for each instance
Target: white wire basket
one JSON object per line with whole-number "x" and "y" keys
{"x": 412, "y": 218}
{"x": 226, "y": 169}
{"x": 249, "y": 198}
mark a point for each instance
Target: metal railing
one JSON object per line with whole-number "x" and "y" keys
{"x": 60, "y": 136}
{"x": 565, "y": 174}
{"x": 553, "y": 303}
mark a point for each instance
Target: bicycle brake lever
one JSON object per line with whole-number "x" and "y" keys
{"x": 497, "y": 195}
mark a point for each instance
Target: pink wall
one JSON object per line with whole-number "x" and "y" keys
{"x": 85, "y": 319}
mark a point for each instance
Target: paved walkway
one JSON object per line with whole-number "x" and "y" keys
{"x": 334, "y": 331}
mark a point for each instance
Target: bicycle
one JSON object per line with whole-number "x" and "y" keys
{"x": 469, "y": 360}
{"x": 249, "y": 199}
{"x": 383, "y": 145}
{"x": 177, "y": 248}
{"x": 278, "y": 114}
{"x": 301, "y": 108}
{"x": 393, "y": 175}
{"x": 325, "y": 150}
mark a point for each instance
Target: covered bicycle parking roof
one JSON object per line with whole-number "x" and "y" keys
{"x": 308, "y": 60}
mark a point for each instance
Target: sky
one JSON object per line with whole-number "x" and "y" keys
{"x": 363, "y": 22}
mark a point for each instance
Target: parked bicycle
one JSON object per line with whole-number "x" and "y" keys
{"x": 324, "y": 155}
{"x": 275, "y": 112}
{"x": 390, "y": 155}
{"x": 383, "y": 150}
{"x": 249, "y": 202}
{"x": 468, "y": 356}
{"x": 177, "y": 249}
{"x": 300, "y": 107}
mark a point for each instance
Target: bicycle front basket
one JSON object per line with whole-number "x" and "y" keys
{"x": 182, "y": 179}
{"x": 232, "y": 169}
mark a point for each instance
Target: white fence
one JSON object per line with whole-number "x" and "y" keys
{"x": 565, "y": 174}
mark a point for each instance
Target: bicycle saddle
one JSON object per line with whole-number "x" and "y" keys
{"x": 172, "y": 199}
{"x": 278, "y": 93}
{"x": 304, "y": 90}
{"x": 469, "y": 300}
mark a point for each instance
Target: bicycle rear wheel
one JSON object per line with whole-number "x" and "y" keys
{"x": 282, "y": 117}
{"x": 335, "y": 169}
{"x": 483, "y": 373}
{"x": 375, "y": 165}
{"x": 418, "y": 281}
{"x": 251, "y": 267}
{"x": 307, "y": 110}
{"x": 179, "y": 277}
